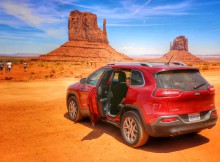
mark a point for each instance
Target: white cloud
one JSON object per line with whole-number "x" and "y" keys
{"x": 57, "y": 33}
{"x": 41, "y": 17}
{"x": 131, "y": 50}
{"x": 68, "y": 2}
{"x": 22, "y": 12}
{"x": 141, "y": 7}
{"x": 129, "y": 25}
{"x": 131, "y": 10}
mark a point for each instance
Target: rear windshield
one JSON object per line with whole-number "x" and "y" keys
{"x": 184, "y": 80}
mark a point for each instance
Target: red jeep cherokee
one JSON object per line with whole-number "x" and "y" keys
{"x": 145, "y": 99}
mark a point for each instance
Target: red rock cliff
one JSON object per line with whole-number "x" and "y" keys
{"x": 180, "y": 44}
{"x": 82, "y": 26}
{"x": 87, "y": 43}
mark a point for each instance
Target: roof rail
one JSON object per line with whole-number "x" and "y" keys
{"x": 131, "y": 63}
{"x": 178, "y": 63}
{"x": 149, "y": 64}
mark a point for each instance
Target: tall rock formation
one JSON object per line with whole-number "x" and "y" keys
{"x": 179, "y": 51}
{"x": 82, "y": 26}
{"x": 87, "y": 43}
{"x": 180, "y": 44}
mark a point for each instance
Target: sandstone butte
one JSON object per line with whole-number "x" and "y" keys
{"x": 87, "y": 42}
{"x": 179, "y": 51}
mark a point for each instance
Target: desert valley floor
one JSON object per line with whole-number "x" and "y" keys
{"x": 35, "y": 127}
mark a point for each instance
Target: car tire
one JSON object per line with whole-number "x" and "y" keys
{"x": 132, "y": 129}
{"x": 73, "y": 109}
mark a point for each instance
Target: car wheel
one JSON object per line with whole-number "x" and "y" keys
{"x": 73, "y": 109}
{"x": 132, "y": 129}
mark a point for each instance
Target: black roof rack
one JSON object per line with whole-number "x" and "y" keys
{"x": 149, "y": 64}
{"x": 130, "y": 63}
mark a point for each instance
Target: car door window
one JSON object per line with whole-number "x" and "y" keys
{"x": 137, "y": 78}
{"x": 94, "y": 78}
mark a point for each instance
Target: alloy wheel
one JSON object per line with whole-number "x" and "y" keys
{"x": 72, "y": 109}
{"x": 130, "y": 129}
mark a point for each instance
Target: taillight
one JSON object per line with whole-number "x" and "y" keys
{"x": 214, "y": 112}
{"x": 167, "y": 92}
{"x": 211, "y": 89}
{"x": 167, "y": 120}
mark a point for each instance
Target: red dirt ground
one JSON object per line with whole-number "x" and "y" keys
{"x": 35, "y": 127}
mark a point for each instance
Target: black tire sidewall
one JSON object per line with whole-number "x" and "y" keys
{"x": 138, "y": 123}
{"x": 77, "y": 108}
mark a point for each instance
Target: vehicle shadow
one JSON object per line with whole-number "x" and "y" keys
{"x": 99, "y": 129}
{"x": 172, "y": 144}
{"x": 154, "y": 144}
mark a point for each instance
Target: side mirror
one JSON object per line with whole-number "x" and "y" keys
{"x": 83, "y": 81}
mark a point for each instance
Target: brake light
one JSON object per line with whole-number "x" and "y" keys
{"x": 211, "y": 89}
{"x": 214, "y": 112}
{"x": 167, "y": 92}
{"x": 167, "y": 120}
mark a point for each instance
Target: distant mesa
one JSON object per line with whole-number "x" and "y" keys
{"x": 82, "y": 26}
{"x": 179, "y": 51}
{"x": 180, "y": 44}
{"x": 86, "y": 42}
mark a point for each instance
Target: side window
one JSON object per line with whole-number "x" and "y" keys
{"x": 137, "y": 78}
{"x": 94, "y": 78}
{"x": 106, "y": 77}
{"x": 115, "y": 79}
{"x": 116, "y": 74}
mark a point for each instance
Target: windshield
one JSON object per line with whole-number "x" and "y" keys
{"x": 184, "y": 80}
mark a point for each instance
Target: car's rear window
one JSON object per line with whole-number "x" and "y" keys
{"x": 184, "y": 80}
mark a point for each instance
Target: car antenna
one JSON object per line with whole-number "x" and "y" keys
{"x": 168, "y": 63}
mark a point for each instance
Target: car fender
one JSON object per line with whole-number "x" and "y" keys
{"x": 71, "y": 94}
{"x": 128, "y": 107}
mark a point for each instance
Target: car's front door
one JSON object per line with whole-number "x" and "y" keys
{"x": 85, "y": 89}
{"x": 98, "y": 97}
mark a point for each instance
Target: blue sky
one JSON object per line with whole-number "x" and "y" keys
{"x": 135, "y": 27}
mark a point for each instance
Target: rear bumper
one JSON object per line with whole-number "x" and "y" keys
{"x": 180, "y": 126}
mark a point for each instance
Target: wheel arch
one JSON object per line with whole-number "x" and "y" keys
{"x": 68, "y": 96}
{"x": 136, "y": 109}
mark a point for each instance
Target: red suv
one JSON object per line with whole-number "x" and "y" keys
{"x": 145, "y": 99}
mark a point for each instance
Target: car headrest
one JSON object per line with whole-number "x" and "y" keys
{"x": 121, "y": 76}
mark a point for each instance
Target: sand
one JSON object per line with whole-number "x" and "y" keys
{"x": 35, "y": 127}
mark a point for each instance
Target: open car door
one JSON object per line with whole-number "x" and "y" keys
{"x": 94, "y": 114}
{"x": 98, "y": 97}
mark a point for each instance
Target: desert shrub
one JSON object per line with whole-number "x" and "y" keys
{"x": 205, "y": 67}
{"x": 46, "y": 76}
{"x": 8, "y": 78}
{"x": 61, "y": 68}
{"x": 71, "y": 72}
{"x": 53, "y": 71}
{"x": 58, "y": 63}
{"x": 31, "y": 64}
{"x": 41, "y": 64}
{"x": 32, "y": 73}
